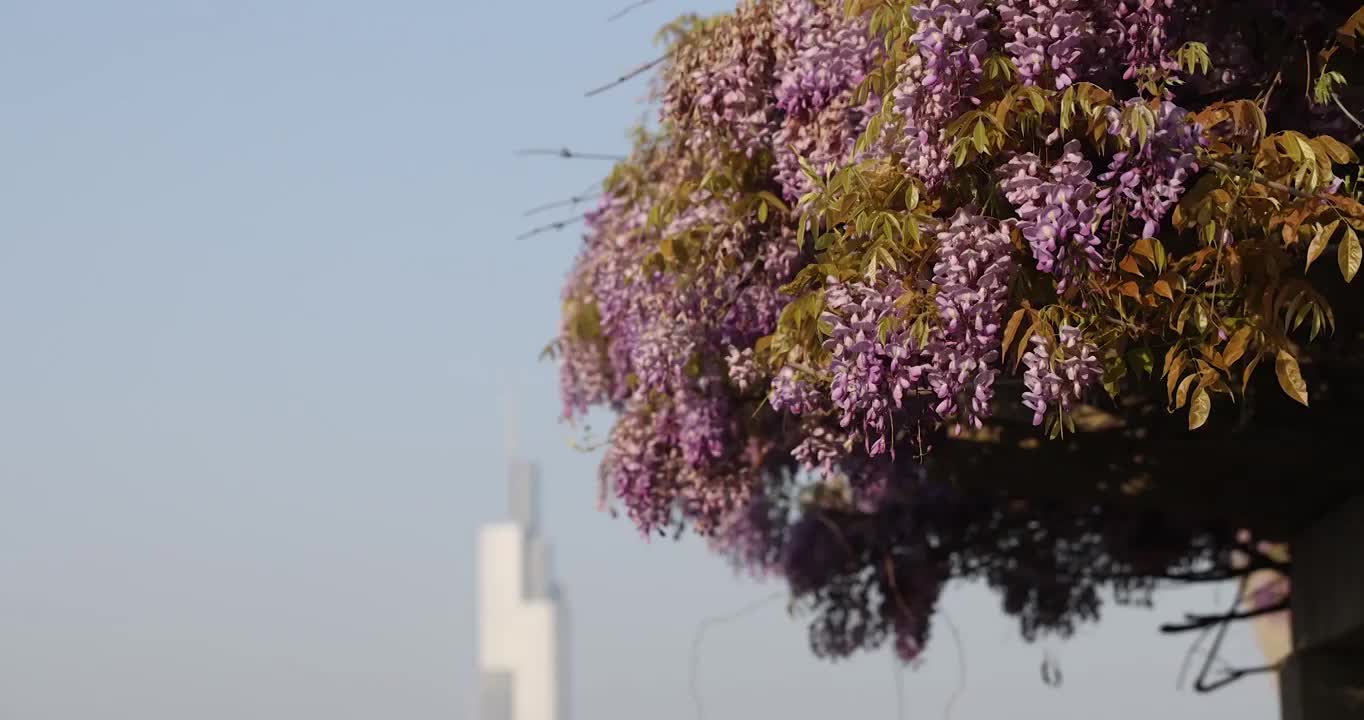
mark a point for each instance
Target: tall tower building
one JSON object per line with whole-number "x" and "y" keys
{"x": 523, "y": 654}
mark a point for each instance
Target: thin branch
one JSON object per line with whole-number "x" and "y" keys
{"x": 550, "y": 227}
{"x": 1211, "y": 577}
{"x": 899, "y": 686}
{"x": 694, "y": 679}
{"x": 961, "y": 666}
{"x": 1231, "y": 676}
{"x": 1200, "y": 683}
{"x": 567, "y": 154}
{"x": 1348, "y": 114}
{"x": 571, "y": 202}
{"x": 646, "y": 67}
{"x": 1257, "y": 177}
{"x": 1197, "y": 622}
{"x": 628, "y": 9}
{"x": 1188, "y": 657}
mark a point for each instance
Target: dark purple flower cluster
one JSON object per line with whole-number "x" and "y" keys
{"x": 1058, "y": 211}
{"x": 972, "y": 276}
{"x": 1059, "y": 371}
{"x": 1148, "y": 178}
{"x": 938, "y": 80}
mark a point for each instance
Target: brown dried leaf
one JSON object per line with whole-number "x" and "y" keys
{"x": 1182, "y": 395}
{"x": 1236, "y": 346}
{"x": 1290, "y": 376}
{"x": 1320, "y": 240}
{"x": 1199, "y": 409}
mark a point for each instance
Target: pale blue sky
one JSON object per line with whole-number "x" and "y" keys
{"x": 258, "y": 295}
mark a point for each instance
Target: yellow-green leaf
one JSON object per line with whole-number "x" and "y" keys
{"x": 1349, "y": 253}
{"x": 1199, "y": 409}
{"x": 1290, "y": 376}
{"x": 1320, "y": 240}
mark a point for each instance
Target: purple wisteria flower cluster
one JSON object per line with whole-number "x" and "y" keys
{"x": 874, "y": 366}
{"x": 972, "y": 277}
{"x": 1047, "y": 39}
{"x": 828, "y": 54}
{"x": 1059, "y": 371}
{"x": 1141, "y": 30}
{"x": 938, "y": 81}
{"x": 1058, "y": 211}
{"x": 1148, "y": 179}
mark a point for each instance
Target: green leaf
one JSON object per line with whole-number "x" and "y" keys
{"x": 1142, "y": 360}
{"x": 762, "y": 211}
{"x": 1290, "y": 376}
{"x": 979, "y": 139}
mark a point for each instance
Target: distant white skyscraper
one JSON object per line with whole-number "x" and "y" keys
{"x": 523, "y": 620}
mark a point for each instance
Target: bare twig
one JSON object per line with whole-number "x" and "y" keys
{"x": 646, "y": 67}
{"x": 567, "y": 154}
{"x": 1348, "y": 114}
{"x": 1198, "y": 622}
{"x": 694, "y": 680}
{"x": 550, "y": 227}
{"x": 1231, "y": 676}
{"x": 628, "y": 9}
{"x": 571, "y": 202}
{"x": 1257, "y": 177}
{"x": 961, "y": 666}
{"x": 899, "y": 676}
{"x": 1194, "y": 647}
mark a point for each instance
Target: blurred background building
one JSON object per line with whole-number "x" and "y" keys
{"x": 523, "y": 624}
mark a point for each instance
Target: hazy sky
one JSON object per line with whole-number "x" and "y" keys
{"x": 260, "y": 298}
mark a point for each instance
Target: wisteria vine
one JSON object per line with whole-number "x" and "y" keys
{"x": 870, "y": 237}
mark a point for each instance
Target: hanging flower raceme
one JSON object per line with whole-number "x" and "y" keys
{"x": 938, "y": 82}
{"x": 1047, "y": 39}
{"x": 1059, "y": 371}
{"x": 972, "y": 277}
{"x": 1058, "y": 212}
{"x": 1147, "y": 179}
